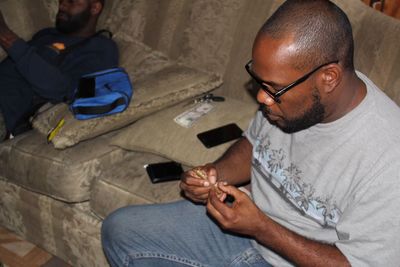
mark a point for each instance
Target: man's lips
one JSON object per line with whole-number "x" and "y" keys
{"x": 273, "y": 117}
{"x": 270, "y": 115}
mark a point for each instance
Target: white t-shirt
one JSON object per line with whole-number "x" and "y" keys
{"x": 338, "y": 182}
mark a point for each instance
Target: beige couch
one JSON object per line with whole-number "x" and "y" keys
{"x": 57, "y": 194}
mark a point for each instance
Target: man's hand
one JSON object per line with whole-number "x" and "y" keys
{"x": 3, "y": 24}
{"x": 233, "y": 167}
{"x": 242, "y": 216}
{"x": 7, "y": 37}
{"x": 197, "y": 182}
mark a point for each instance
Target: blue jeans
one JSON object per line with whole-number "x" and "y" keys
{"x": 175, "y": 234}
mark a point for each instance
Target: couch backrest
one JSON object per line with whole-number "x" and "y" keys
{"x": 25, "y": 17}
{"x": 377, "y": 45}
{"x": 211, "y": 35}
{"x": 218, "y": 35}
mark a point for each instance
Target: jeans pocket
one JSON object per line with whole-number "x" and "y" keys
{"x": 250, "y": 258}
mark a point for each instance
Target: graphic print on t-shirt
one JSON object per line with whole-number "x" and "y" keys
{"x": 287, "y": 181}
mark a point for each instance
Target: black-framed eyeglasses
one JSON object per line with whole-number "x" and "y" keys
{"x": 277, "y": 94}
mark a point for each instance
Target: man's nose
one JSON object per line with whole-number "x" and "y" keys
{"x": 264, "y": 98}
{"x": 62, "y": 5}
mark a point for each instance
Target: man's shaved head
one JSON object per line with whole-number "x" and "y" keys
{"x": 321, "y": 32}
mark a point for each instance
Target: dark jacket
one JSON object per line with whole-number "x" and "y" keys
{"x": 41, "y": 71}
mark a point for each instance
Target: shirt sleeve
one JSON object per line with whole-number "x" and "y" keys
{"x": 369, "y": 229}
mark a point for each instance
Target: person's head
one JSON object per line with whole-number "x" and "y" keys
{"x": 302, "y": 37}
{"x": 78, "y": 17}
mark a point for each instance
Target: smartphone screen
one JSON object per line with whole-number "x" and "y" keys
{"x": 86, "y": 87}
{"x": 164, "y": 171}
{"x": 220, "y": 135}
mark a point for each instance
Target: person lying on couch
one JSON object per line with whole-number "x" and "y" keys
{"x": 48, "y": 67}
{"x": 323, "y": 158}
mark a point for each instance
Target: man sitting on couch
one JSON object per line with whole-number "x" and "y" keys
{"x": 48, "y": 67}
{"x": 323, "y": 157}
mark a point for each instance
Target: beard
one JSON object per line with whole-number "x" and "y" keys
{"x": 312, "y": 116}
{"x": 66, "y": 23}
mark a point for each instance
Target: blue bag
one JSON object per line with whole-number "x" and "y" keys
{"x": 102, "y": 93}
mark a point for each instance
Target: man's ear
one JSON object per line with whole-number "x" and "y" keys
{"x": 96, "y": 8}
{"x": 330, "y": 77}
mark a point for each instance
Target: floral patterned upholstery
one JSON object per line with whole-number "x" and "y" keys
{"x": 57, "y": 198}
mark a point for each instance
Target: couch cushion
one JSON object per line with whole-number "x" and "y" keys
{"x": 160, "y": 134}
{"x": 29, "y": 161}
{"x": 127, "y": 183}
{"x": 157, "y": 83}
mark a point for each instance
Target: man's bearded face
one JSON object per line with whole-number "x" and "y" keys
{"x": 307, "y": 118}
{"x": 68, "y": 23}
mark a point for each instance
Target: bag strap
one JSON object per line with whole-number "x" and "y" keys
{"x": 70, "y": 48}
{"x": 99, "y": 109}
{"x": 84, "y": 41}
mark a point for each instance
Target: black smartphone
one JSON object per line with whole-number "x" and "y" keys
{"x": 220, "y": 135}
{"x": 86, "y": 87}
{"x": 164, "y": 171}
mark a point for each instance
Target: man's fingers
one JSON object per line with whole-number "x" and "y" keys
{"x": 196, "y": 189}
{"x": 230, "y": 190}
{"x": 212, "y": 175}
{"x": 213, "y": 206}
{"x": 216, "y": 203}
{"x": 191, "y": 179}
{"x": 197, "y": 193}
{"x": 195, "y": 198}
{"x": 197, "y": 182}
{"x": 206, "y": 172}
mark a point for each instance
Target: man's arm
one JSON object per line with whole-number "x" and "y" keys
{"x": 57, "y": 82}
{"x": 7, "y": 37}
{"x": 293, "y": 247}
{"x": 296, "y": 248}
{"x": 49, "y": 80}
{"x": 233, "y": 167}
